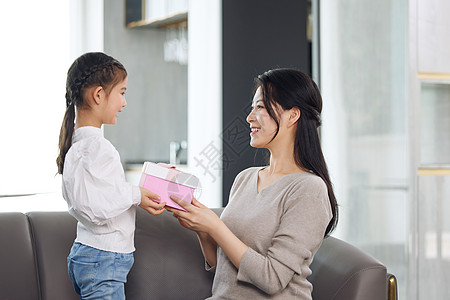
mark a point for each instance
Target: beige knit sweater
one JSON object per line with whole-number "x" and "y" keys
{"x": 283, "y": 226}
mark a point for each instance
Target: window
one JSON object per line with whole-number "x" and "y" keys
{"x": 365, "y": 135}
{"x": 38, "y": 46}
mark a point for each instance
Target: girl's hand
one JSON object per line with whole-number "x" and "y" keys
{"x": 150, "y": 205}
{"x": 197, "y": 216}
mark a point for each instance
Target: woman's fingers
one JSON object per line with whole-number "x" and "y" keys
{"x": 176, "y": 215}
{"x": 197, "y": 216}
{"x": 197, "y": 203}
{"x": 184, "y": 204}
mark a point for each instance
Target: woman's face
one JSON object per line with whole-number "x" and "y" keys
{"x": 262, "y": 126}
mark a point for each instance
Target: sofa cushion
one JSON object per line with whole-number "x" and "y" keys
{"x": 168, "y": 261}
{"x": 18, "y": 277}
{"x": 54, "y": 233}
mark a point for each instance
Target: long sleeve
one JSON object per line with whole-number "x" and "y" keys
{"x": 96, "y": 184}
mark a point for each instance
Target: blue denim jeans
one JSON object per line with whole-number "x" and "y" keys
{"x": 98, "y": 274}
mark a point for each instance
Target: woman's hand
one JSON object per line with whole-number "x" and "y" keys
{"x": 197, "y": 216}
{"x": 150, "y": 205}
{"x": 201, "y": 219}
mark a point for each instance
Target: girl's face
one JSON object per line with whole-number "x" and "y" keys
{"x": 115, "y": 102}
{"x": 262, "y": 126}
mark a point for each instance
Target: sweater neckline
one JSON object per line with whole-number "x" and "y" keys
{"x": 258, "y": 169}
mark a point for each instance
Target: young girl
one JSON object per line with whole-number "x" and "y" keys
{"x": 277, "y": 215}
{"x": 93, "y": 180}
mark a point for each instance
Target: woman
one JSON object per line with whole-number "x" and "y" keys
{"x": 277, "y": 215}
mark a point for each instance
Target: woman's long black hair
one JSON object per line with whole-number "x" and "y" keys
{"x": 291, "y": 88}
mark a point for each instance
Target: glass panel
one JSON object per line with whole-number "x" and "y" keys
{"x": 364, "y": 134}
{"x": 434, "y": 193}
{"x": 434, "y": 237}
{"x": 435, "y": 124}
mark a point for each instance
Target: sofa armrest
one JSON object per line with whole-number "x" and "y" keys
{"x": 341, "y": 271}
{"x": 392, "y": 287}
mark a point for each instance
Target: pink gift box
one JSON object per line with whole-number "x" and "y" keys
{"x": 167, "y": 182}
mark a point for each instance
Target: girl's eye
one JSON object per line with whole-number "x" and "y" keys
{"x": 258, "y": 107}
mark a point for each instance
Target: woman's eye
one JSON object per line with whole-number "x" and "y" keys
{"x": 257, "y": 107}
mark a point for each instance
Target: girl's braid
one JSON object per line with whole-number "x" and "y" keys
{"x": 86, "y": 78}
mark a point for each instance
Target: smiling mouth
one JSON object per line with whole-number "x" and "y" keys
{"x": 254, "y": 130}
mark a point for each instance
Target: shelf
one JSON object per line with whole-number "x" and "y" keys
{"x": 433, "y": 171}
{"x": 175, "y": 19}
{"x": 434, "y": 77}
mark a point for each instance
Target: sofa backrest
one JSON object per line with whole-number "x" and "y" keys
{"x": 18, "y": 278}
{"x": 53, "y": 235}
{"x": 168, "y": 262}
{"x": 341, "y": 271}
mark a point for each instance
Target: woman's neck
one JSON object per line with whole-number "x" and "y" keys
{"x": 282, "y": 161}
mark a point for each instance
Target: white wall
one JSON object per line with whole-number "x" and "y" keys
{"x": 86, "y": 26}
{"x": 205, "y": 98}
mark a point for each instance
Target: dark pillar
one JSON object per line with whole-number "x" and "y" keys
{"x": 258, "y": 35}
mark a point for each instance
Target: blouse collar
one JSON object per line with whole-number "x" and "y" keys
{"x": 85, "y": 132}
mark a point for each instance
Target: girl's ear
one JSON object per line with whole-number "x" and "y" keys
{"x": 294, "y": 115}
{"x": 98, "y": 94}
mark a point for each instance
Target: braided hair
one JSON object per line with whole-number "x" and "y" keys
{"x": 90, "y": 69}
{"x": 290, "y": 88}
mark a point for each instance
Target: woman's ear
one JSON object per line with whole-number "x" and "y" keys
{"x": 294, "y": 115}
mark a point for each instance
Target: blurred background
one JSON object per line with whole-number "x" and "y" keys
{"x": 382, "y": 67}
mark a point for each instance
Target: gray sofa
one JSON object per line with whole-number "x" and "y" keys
{"x": 168, "y": 262}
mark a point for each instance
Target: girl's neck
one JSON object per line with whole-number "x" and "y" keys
{"x": 87, "y": 118}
